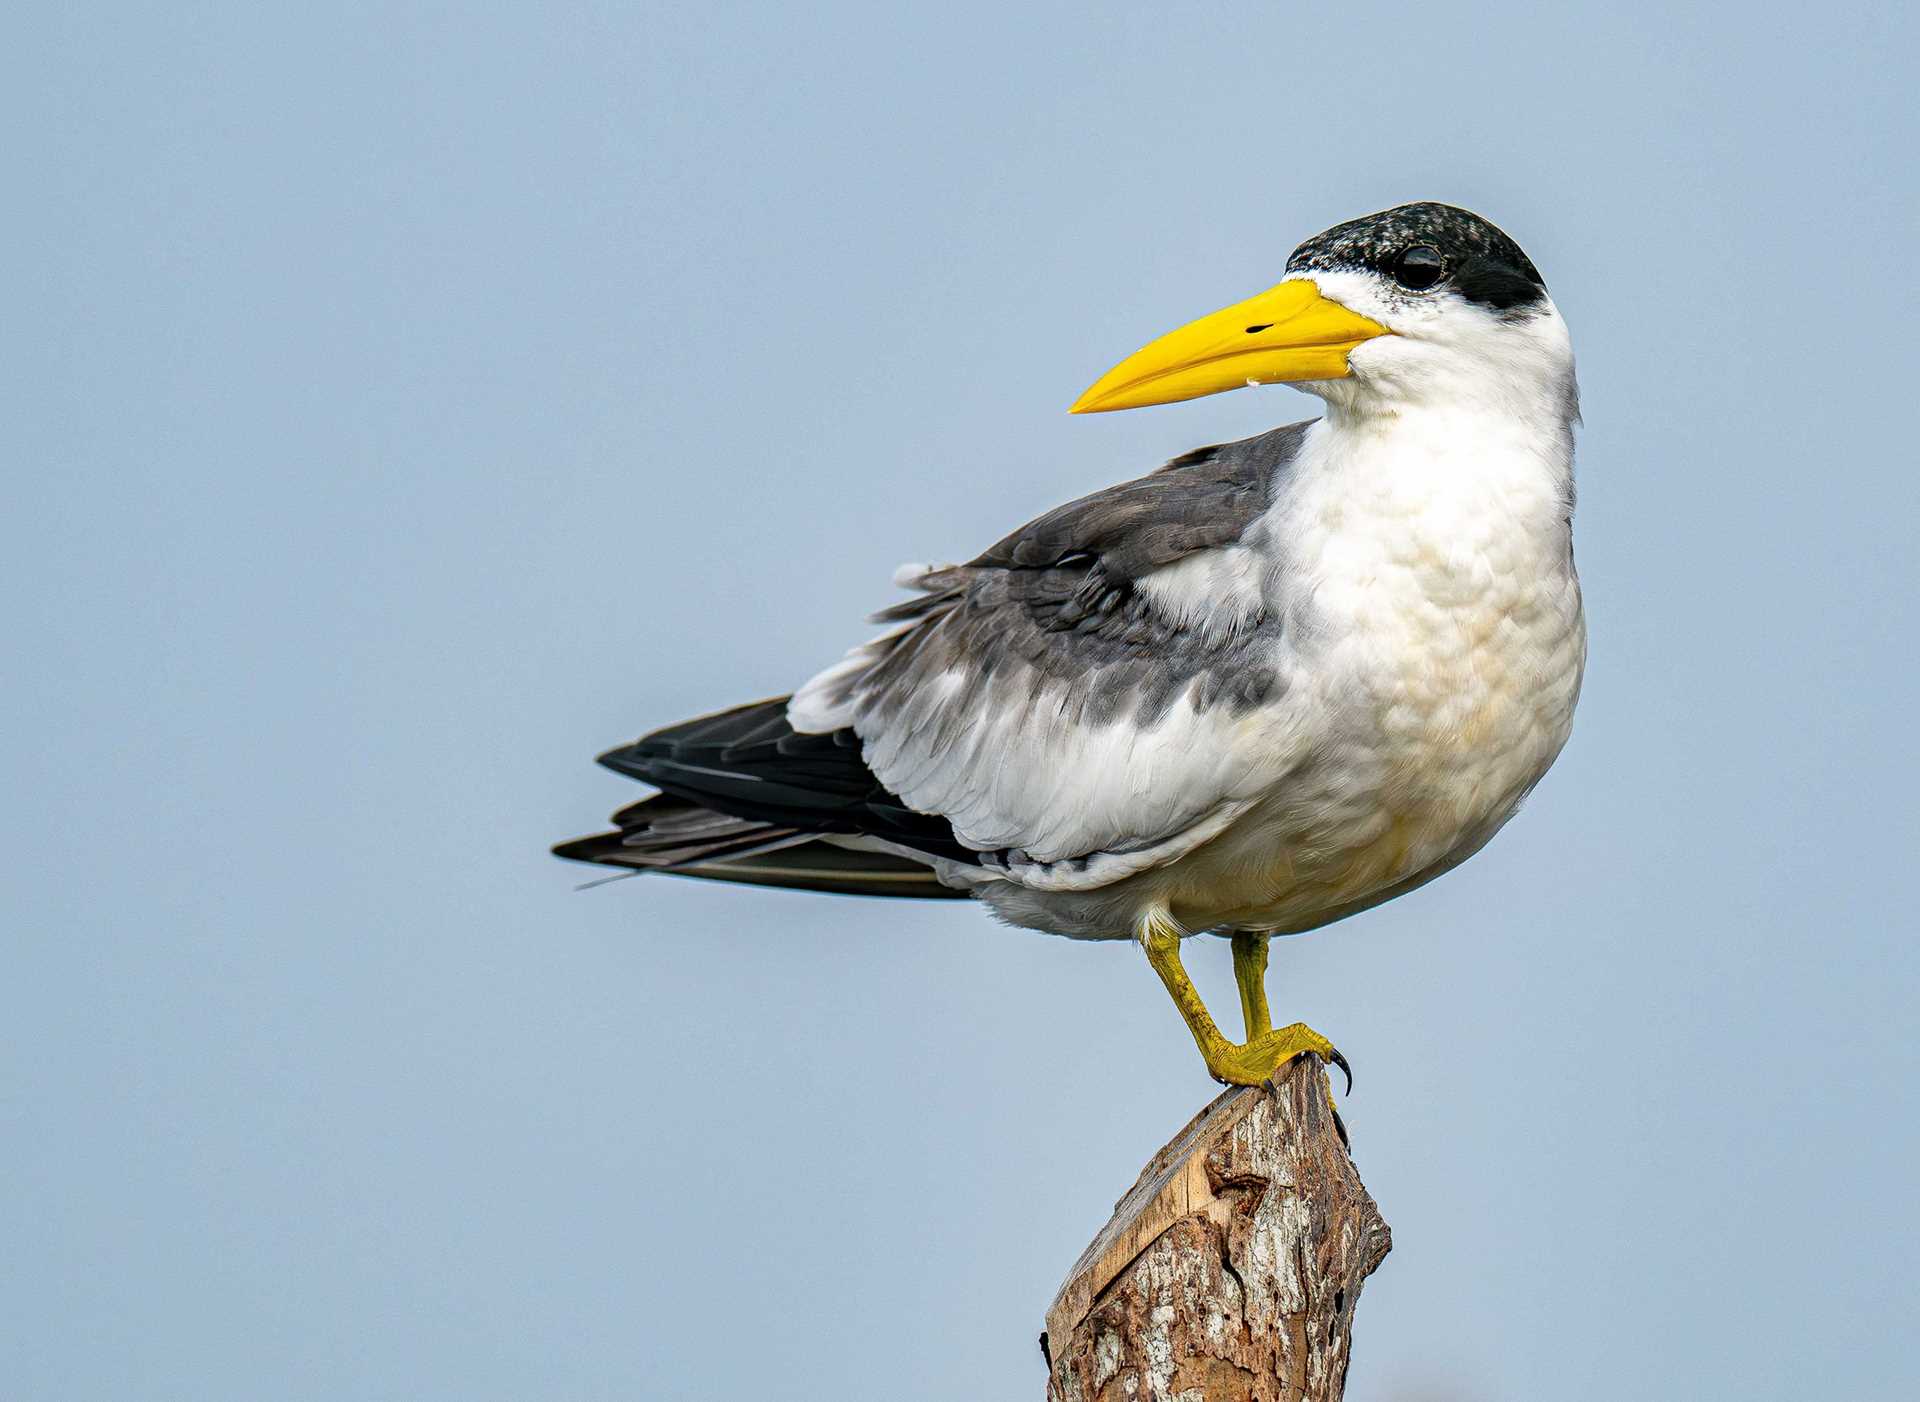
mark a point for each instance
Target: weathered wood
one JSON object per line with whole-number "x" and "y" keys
{"x": 1231, "y": 1270}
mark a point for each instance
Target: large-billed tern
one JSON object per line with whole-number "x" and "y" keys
{"x": 1269, "y": 685}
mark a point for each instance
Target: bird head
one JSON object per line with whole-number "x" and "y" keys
{"x": 1422, "y": 302}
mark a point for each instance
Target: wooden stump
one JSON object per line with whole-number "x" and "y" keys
{"x": 1232, "y": 1268}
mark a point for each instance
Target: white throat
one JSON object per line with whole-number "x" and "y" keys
{"x": 1510, "y": 375}
{"x": 1444, "y": 461}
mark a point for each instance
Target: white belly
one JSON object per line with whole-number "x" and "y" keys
{"x": 1422, "y": 763}
{"x": 1431, "y": 655}
{"x": 1438, "y": 644}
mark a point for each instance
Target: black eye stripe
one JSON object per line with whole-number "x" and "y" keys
{"x": 1478, "y": 263}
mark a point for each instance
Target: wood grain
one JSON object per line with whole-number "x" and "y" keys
{"x": 1231, "y": 1270}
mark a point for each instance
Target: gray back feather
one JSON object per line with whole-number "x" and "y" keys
{"x": 990, "y": 707}
{"x": 1060, "y": 593}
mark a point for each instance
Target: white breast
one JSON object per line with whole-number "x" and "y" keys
{"x": 1435, "y": 647}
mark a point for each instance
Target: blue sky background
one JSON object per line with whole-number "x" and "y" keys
{"x": 405, "y": 402}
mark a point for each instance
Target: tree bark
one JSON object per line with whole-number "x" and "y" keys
{"x": 1231, "y": 1270}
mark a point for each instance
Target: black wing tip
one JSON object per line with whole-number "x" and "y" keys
{"x": 636, "y": 759}
{"x": 748, "y": 762}
{"x": 627, "y": 759}
{"x": 592, "y": 848}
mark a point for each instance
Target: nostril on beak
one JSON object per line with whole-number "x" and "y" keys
{"x": 1263, "y": 326}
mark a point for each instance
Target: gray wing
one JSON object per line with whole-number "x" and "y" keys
{"x": 1072, "y": 701}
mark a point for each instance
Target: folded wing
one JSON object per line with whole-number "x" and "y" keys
{"x": 1071, "y": 701}
{"x": 1068, "y": 708}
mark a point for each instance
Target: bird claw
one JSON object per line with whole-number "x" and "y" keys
{"x": 1333, "y": 1055}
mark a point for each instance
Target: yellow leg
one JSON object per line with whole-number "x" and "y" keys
{"x": 1250, "y": 974}
{"x": 1266, "y": 1049}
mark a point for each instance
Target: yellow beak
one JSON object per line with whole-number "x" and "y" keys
{"x": 1287, "y": 333}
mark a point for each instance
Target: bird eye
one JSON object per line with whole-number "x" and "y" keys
{"x": 1418, "y": 267}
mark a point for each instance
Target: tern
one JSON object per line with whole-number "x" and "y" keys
{"x": 1270, "y": 685}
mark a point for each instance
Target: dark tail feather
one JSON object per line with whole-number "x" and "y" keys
{"x": 663, "y": 832}
{"x": 749, "y": 762}
{"x": 680, "y": 838}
